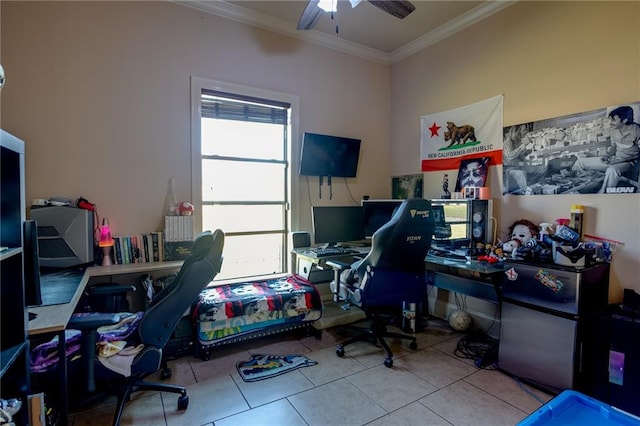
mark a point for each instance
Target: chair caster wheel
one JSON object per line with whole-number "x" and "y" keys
{"x": 388, "y": 362}
{"x": 413, "y": 345}
{"x": 183, "y": 402}
{"x": 166, "y": 373}
{"x": 340, "y": 351}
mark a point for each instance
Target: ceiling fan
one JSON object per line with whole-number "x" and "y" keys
{"x": 315, "y": 8}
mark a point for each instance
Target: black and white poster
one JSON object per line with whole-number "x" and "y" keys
{"x": 595, "y": 152}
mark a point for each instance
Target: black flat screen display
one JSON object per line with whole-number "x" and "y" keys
{"x": 337, "y": 224}
{"x": 324, "y": 155}
{"x": 377, "y": 213}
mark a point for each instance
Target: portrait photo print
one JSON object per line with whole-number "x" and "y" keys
{"x": 472, "y": 173}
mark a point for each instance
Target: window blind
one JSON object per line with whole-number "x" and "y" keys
{"x": 229, "y": 106}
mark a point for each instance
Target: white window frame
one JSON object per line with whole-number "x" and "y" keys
{"x": 199, "y": 83}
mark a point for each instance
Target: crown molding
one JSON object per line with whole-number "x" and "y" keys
{"x": 461, "y": 22}
{"x": 260, "y": 20}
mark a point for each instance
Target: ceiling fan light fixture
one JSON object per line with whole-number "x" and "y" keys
{"x": 314, "y": 9}
{"x": 328, "y": 5}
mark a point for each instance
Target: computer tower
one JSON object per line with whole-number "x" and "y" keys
{"x": 462, "y": 226}
{"x": 65, "y": 235}
{"x": 612, "y": 357}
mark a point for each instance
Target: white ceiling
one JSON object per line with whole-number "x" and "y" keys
{"x": 365, "y": 30}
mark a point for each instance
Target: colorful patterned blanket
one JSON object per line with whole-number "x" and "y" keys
{"x": 230, "y": 310}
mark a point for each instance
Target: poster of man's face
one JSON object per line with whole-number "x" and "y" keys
{"x": 472, "y": 173}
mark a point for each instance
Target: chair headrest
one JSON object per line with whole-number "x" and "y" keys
{"x": 202, "y": 244}
{"x": 403, "y": 242}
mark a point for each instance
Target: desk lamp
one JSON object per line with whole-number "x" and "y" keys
{"x": 105, "y": 242}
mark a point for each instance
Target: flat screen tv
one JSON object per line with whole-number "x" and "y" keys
{"x": 324, "y": 155}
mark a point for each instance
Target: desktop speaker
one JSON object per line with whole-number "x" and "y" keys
{"x": 301, "y": 239}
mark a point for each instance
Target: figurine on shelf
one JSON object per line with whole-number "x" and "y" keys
{"x": 445, "y": 187}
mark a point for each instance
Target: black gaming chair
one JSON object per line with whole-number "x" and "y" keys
{"x": 154, "y": 329}
{"x": 392, "y": 273}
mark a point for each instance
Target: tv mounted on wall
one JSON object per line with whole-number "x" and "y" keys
{"x": 324, "y": 155}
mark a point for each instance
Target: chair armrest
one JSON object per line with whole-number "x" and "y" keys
{"x": 337, "y": 265}
{"x": 92, "y": 321}
{"x": 88, "y": 324}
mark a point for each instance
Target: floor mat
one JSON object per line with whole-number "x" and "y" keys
{"x": 261, "y": 367}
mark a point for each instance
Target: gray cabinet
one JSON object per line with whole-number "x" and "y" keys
{"x": 542, "y": 330}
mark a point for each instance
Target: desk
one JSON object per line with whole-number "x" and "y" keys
{"x": 477, "y": 279}
{"x": 54, "y": 318}
{"x": 473, "y": 278}
{"x": 314, "y": 268}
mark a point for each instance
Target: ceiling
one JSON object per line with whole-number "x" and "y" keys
{"x": 365, "y": 30}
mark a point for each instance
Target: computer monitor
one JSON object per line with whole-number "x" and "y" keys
{"x": 376, "y": 213}
{"x": 31, "y": 263}
{"x": 337, "y": 224}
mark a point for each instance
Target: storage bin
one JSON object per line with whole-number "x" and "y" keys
{"x": 573, "y": 408}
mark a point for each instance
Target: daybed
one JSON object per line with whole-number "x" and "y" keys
{"x": 232, "y": 313}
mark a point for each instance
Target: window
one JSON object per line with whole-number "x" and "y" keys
{"x": 241, "y": 163}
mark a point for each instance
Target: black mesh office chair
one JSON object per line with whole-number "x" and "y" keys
{"x": 154, "y": 329}
{"x": 392, "y": 273}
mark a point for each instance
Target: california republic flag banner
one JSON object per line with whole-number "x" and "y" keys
{"x": 470, "y": 131}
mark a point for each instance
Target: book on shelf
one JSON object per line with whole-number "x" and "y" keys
{"x": 117, "y": 251}
{"x": 154, "y": 247}
{"x": 177, "y": 250}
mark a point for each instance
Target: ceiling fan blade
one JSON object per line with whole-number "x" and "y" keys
{"x": 398, "y": 8}
{"x": 310, "y": 15}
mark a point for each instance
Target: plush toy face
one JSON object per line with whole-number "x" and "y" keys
{"x": 521, "y": 233}
{"x": 510, "y": 246}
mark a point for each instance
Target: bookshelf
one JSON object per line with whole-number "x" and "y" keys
{"x": 14, "y": 343}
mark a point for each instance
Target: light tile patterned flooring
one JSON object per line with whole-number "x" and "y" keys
{"x": 429, "y": 386}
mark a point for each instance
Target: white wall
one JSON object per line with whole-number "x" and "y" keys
{"x": 100, "y": 92}
{"x": 548, "y": 59}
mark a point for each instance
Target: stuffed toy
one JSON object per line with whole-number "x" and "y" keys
{"x": 522, "y": 233}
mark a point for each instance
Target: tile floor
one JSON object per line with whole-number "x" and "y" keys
{"x": 429, "y": 386}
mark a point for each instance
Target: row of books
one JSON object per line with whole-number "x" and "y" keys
{"x": 151, "y": 247}
{"x": 178, "y": 228}
{"x": 141, "y": 248}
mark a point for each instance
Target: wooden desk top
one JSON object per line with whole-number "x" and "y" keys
{"x": 54, "y": 318}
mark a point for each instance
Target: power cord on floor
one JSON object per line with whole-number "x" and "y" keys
{"x": 480, "y": 347}
{"x": 527, "y": 390}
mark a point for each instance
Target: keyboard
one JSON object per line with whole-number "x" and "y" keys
{"x": 446, "y": 254}
{"x": 329, "y": 251}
